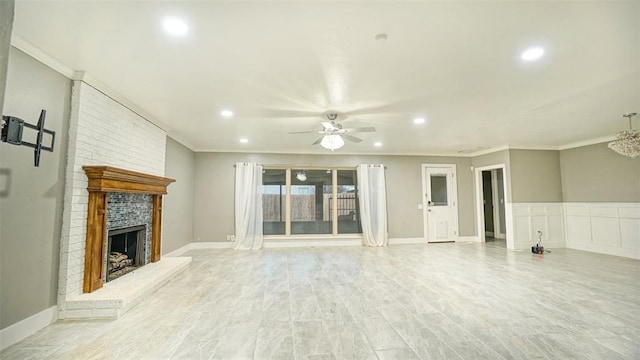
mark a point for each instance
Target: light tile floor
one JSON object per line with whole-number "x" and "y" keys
{"x": 437, "y": 301}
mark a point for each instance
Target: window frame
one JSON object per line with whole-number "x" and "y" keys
{"x": 334, "y": 198}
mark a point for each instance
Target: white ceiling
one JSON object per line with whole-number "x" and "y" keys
{"x": 281, "y": 65}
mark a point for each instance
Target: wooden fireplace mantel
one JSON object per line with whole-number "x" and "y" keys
{"x": 106, "y": 179}
{"x": 110, "y": 179}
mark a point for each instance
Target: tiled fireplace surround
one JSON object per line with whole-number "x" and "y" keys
{"x": 127, "y": 210}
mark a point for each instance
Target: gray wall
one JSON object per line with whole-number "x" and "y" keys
{"x": 595, "y": 173}
{"x": 31, "y": 202}
{"x": 6, "y": 25}
{"x": 535, "y": 176}
{"x": 177, "y": 209}
{"x": 495, "y": 158}
{"x": 215, "y": 174}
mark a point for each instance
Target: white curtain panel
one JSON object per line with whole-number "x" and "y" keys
{"x": 248, "y": 206}
{"x": 372, "y": 195}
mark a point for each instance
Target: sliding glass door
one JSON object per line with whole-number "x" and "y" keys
{"x": 310, "y": 201}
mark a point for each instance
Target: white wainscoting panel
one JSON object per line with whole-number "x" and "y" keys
{"x": 529, "y": 218}
{"x": 607, "y": 228}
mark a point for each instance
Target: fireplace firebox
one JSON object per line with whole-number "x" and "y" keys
{"x": 126, "y": 251}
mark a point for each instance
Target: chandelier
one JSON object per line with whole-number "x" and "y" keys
{"x": 332, "y": 142}
{"x": 627, "y": 142}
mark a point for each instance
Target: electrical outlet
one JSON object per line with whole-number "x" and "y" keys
{"x": 232, "y": 237}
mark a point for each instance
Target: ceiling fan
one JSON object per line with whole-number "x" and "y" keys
{"x": 333, "y": 134}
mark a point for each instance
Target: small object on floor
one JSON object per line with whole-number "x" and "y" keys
{"x": 538, "y": 249}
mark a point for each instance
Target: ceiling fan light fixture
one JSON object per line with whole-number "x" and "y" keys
{"x": 627, "y": 142}
{"x": 301, "y": 175}
{"x": 332, "y": 142}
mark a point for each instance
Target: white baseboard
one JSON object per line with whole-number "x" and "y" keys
{"x": 302, "y": 242}
{"x": 179, "y": 251}
{"x": 468, "y": 239}
{"x": 404, "y": 241}
{"x": 314, "y": 242}
{"x": 200, "y": 245}
{"x": 29, "y": 326}
{"x": 212, "y": 245}
{"x": 525, "y": 245}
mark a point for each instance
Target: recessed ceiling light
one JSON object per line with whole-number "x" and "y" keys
{"x": 226, "y": 113}
{"x": 381, "y": 38}
{"x": 533, "y": 53}
{"x": 377, "y": 144}
{"x": 244, "y": 140}
{"x": 175, "y": 26}
{"x": 418, "y": 120}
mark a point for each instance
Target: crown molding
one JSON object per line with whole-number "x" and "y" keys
{"x": 117, "y": 97}
{"x": 552, "y": 148}
{"x": 329, "y": 153}
{"x": 487, "y": 151}
{"x": 587, "y": 142}
{"x": 42, "y": 56}
{"x": 180, "y": 139}
{"x": 57, "y": 65}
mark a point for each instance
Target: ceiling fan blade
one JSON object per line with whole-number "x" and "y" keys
{"x": 318, "y": 141}
{"x": 361, "y": 129}
{"x": 328, "y": 125}
{"x": 351, "y": 138}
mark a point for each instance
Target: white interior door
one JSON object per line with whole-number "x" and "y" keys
{"x": 440, "y": 204}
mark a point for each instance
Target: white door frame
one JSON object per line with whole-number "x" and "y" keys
{"x": 480, "y": 202}
{"x": 454, "y": 199}
{"x": 497, "y": 233}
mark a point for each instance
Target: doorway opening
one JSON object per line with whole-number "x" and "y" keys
{"x": 493, "y": 204}
{"x": 491, "y": 187}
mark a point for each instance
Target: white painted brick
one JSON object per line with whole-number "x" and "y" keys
{"x": 101, "y": 132}
{"x": 76, "y": 314}
{"x": 108, "y": 304}
{"x": 76, "y": 305}
{"x": 105, "y": 313}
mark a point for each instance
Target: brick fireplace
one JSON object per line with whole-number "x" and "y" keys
{"x": 105, "y": 130}
{"x": 123, "y": 234}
